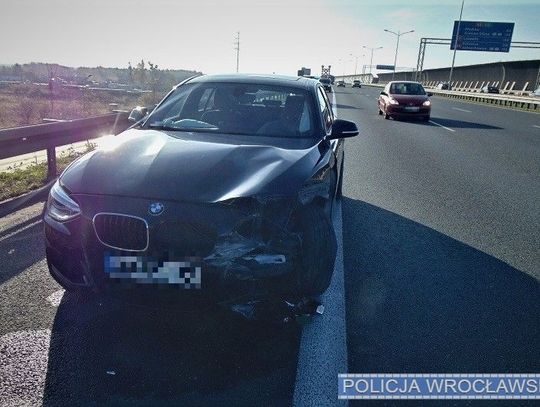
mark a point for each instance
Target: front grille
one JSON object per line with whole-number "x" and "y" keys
{"x": 121, "y": 232}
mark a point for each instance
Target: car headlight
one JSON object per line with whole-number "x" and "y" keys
{"x": 60, "y": 206}
{"x": 426, "y": 103}
{"x": 393, "y": 101}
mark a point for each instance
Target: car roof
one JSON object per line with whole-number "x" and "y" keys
{"x": 403, "y": 82}
{"x": 259, "y": 79}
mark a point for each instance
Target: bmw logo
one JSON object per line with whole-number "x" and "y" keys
{"x": 156, "y": 208}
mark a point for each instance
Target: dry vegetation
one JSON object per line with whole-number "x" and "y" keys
{"x": 24, "y": 104}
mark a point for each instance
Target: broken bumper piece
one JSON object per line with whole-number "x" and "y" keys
{"x": 277, "y": 310}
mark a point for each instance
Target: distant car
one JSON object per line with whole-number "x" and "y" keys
{"x": 218, "y": 189}
{"x": 357, "y": 84}
{"x": 536, "y": 93}
{"x": 404, "y": 99}
{"x": 489, "y": 89}
{"x": 444, "y": 86}
{"x": 327, "y": 84}
{"x": 341, "y": 84}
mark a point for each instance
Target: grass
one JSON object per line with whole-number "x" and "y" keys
{"x": 19, "y": 181}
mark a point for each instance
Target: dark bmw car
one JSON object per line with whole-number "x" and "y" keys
{"x": 327, "y": 83}
{"x": 404, "y": 100}
{"x": 227, "y": 187}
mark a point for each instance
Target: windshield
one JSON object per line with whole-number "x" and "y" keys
{"x": 246, "y": 109}
{"x": 407, "y": 89}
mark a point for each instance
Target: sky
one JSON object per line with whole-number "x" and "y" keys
{"x": 279, "y": 36}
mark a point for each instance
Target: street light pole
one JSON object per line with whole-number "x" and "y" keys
{"x": 237, "y": 49}
{"x": 455, "y": 46}
{"x": 397, "y": 34}
{"x": 355, "y": 63}
{"x": 371, "y": 60}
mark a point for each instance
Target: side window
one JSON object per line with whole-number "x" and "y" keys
{"x": 326, "y": 112}
{"x": 205, "y": 99}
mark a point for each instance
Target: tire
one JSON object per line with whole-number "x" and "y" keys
{"x": 426, "y": 118}
{"x": 339, "y": 192}
{"x": 318, "y": 252}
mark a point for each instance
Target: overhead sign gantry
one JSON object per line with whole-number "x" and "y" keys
{"x": 485, "y": 36}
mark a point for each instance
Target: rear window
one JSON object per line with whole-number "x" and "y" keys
{"x": 407, "y": 89}
{"x": 231, "y": 108}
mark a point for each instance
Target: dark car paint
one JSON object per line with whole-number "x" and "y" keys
{"x": 489, "y": 89}
{"x": 185, "y": 166}
{"x": 186, "y": 170}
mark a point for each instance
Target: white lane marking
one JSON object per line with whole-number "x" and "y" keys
{"x": 534, "y": 125}
{"x": 461, "y": 110}
{"x": 56, "y": 298}
{"x": 323, "y": 346}
{"x": 440, "y": 125}
{"x": 334, "y": 106}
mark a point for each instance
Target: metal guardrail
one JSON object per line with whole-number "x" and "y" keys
{"x": 517, "y": 102}
{"x": 28, "y": 139}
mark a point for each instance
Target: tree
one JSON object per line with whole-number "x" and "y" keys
{"x": 154, "y": 79}
{"x": 140, "y": 74}
{"x": 25, "y": 110}
{"x": 130, "y": 73}
{"x": 18, "y": 72}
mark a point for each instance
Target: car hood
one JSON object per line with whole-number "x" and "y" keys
{"x": 407, "y": 99}
{"x": 193, "y": 167}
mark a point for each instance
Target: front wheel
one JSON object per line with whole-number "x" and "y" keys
{"x": 426, "y": 118}
{"x": 318, "y": 251}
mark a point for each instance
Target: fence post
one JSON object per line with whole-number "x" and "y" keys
{"x": 51, "y": 163}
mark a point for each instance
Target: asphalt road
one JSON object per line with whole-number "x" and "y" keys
{"x": 441, "y": 260}
{"x": 441, "y": 239}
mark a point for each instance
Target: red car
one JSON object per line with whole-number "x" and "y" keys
{"x": 405, "y": 99}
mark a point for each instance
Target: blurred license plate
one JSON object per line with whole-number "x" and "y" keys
{"x": 145, "y": 270}
{"x": 412, "y": 108}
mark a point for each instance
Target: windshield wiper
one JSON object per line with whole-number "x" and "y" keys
{"x": 162, "y": 127}
{"x": 174, "y": 128}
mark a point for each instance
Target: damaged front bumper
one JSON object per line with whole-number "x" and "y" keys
{"x": 242, "y": 247}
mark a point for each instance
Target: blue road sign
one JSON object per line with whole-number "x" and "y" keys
{"x": 482, "y": 36}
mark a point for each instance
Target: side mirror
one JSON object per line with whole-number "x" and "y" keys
{"x": 138, "y": 114}
{"x": 384, "y": 93}
{"x": 430, "y": 94}
{"x": 343, "y": 129}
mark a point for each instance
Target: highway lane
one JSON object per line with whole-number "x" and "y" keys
{"x": 441, "y": 248}
{"x": 478, "y": 183}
